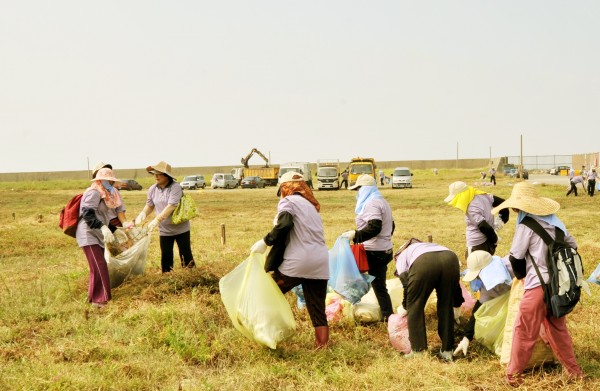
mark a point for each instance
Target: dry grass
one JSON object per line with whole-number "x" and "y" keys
{"x": 171, "y": 331}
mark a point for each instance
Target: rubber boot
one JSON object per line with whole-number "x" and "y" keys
{"x": 321, "y": 336}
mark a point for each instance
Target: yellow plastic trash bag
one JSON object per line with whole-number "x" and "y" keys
{"x": 542, "y": 352}
{"x": 255, "y": 304}
{"x": 490, "y": 319}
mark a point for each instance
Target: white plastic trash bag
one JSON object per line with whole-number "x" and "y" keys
{"x": 130, "y": 252}
{"x": 255, "y": 304}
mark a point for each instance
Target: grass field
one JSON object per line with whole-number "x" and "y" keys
{"x": 170, "y": 332}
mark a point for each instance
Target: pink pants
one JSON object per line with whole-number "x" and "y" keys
{"x": 99, "y": 289}
{"x": 532, "y": 313}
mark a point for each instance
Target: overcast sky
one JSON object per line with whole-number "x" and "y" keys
{"x": 201, "y": 83}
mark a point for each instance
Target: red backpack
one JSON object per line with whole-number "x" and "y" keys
{"x": 69, "y": 216}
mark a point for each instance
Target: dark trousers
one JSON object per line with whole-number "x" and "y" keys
{"x": 99, "y": 288}
{"x": 438, "y": 270}
{"x": 493, "y": 179}
{"x": 573, "y": 189}
{"x": 185, "y": 251}
{"x": 315, "y": 293}
{"x": 344, "y": 183}
{"x": 591, "y": 187}
{"x": 378, "y": 261}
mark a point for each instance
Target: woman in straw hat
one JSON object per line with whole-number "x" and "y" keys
{"x": 299, "y": 255}
{"x": 116, "y": 219}
{"x": 375, "y": 226}
{"x": 527, "y": 247}
{"x": 164, "y": 196}
{"x": 98, "y": 203}
{"x": 477, "y": 207}
{"x": 489, "y": 275}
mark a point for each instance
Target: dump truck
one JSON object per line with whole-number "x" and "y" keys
{"x": 359, "y": 166}
{"x": 266, "y": 172}
{"x": 328, "y": 174}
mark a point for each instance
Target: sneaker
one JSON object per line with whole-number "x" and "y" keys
{"x": 514, "y": 380}
{"x": 414, "y": 354}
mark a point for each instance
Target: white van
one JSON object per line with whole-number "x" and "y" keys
{"x": 402, "y": 178}
{"x": 301, "y": 167}
{"x": 226, "y": 181}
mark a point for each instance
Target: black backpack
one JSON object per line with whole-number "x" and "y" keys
{"x": 563, "y": 290}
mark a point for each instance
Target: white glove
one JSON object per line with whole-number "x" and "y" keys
{"x": 349, "y": 235}
{"x": 401, "y": 311}
{"x": 140, "y": 218}
{"x": 108, "y": 235}
{"x": 498, "y": 223}
{"x": 259, "y": 247}
{"x": 152, "y": 225}
{"x": 462, "y": 346}
{"x": 457, "y": 314}
{"x": 128, "y": 224}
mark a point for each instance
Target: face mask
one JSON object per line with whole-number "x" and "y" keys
{"x": 476, "y": 285}
{"x": 107, "y": 186}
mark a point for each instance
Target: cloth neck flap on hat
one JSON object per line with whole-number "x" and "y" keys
{"x": 365, "y": 194}
{"x": 550, "y": 219}
{"x": 112, "y": 199}
{"x": 463, "y": 199}
{"x": 495, "y": 274}
{"x": 289, "y": 188}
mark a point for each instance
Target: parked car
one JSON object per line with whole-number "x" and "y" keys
{"x": 402, "y": 178}
{"x": 192, "y": 182}
{"x": 557, "y": 170}
{"x": 130, "y": 184}
{"x": 253, "y": 182}
{"x": 226, "y": 181}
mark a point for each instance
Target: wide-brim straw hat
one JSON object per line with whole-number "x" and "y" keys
{"x": 476, "y": 261}
{"x": 455, "y": 189}
{"x": 525, "y": 197}
{"x": 161, "y": 168}
{"x": 98, "y": 167}
{"x": 106, "y": 174}
{"x": 363, "y": 180}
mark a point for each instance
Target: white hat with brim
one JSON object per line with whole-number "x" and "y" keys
{"x": 161, "y": 168}
{"x": 363, "y": 180}
{"x": 455, "y": 189}
{"x": 476, "y": 261}
{"x": 98, "y": 167}
{"x": 291, "y": 176}
{"x": 106, "y": 174}
{"x": 525, "y": 197}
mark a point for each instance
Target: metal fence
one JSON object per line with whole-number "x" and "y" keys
{"x": 544, "y": 162}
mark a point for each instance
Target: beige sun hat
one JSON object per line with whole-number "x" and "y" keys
{"x": 291, "y": 176}
{"x": 476, "y": 261}
{"x": 455, "y": 189}
{"x": 161, "y": 168}
{"x": 98, "y": 167}
{"x": 525, "y": 197}
{"x": 106, "y": 174}
{"x": 364, "y": 180}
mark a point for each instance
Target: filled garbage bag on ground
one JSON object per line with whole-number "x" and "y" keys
{"x": 368, "y": 310}
{"x": 542, "y": 352}
{"x": 255, "y": 304}
{"x": 398, "y": 332}
{"x": 469, "y": 302}
{"x": 334, "y": 307}
{"x": 490, "y": 320}
{"x": 126, "y": 256}
{"x": 344, "y": 277}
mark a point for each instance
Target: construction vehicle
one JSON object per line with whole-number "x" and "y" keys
{"x": 266, "y": 172}
{"x": 328, "y": 174}
{"x": 301, "y": 167}
{"x": 359, "y": 166}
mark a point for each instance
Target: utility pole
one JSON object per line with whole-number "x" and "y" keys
{"x": 521, "y": 160}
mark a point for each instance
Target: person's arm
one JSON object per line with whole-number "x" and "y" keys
{"x": 89, "y": 216}
{"x": 372, "y": 229}
{"x": 279, "y": 233}
{"x": 504, "y": 213}
{"x": 519, "y": 267}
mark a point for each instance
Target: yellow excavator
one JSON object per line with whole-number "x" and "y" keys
{"x": 266, "y": 172}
